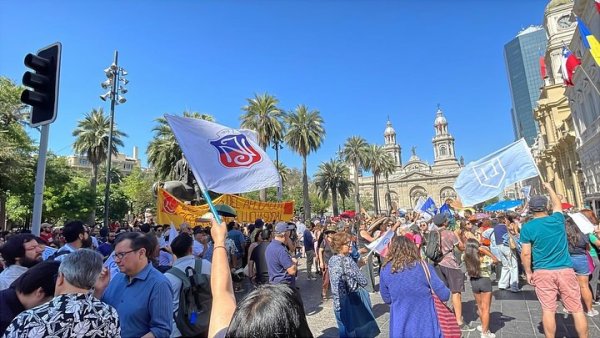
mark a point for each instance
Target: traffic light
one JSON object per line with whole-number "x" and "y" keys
{"x": 43, "y": 95}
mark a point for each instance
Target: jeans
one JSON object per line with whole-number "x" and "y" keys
{"x": 510, "y": 269}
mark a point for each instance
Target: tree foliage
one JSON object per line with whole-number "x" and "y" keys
{"x": 137, "y": 187}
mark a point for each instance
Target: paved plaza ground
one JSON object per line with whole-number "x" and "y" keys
{"x": 513, "y": 315}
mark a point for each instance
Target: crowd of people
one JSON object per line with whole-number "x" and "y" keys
{"x": 147, "y": 280}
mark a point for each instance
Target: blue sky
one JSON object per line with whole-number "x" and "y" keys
{"x": 357, "y": 62}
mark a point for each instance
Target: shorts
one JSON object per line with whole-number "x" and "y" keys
{"x": 580, "y": 265}
{"x": 481, "y": 284}
{"x": 549, "y": 284}
{"x": 453, "y": 278}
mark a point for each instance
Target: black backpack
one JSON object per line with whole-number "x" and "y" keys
{"x": 195, "y": 301}
{"x": 433, "y": 248}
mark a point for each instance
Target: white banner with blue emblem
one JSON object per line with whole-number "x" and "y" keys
{"x": 228, "y": 160}
{"x": 488, "y": 177}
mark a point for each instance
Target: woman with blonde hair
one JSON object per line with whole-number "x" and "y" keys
{"x": 404, "y": 284}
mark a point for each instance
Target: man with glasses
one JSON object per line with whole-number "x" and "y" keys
{"x": 20, "y": 252}
{"x": 140, "y": 293}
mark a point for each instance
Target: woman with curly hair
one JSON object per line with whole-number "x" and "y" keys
{"x": 404, "y": 285}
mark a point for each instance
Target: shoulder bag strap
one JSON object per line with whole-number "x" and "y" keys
{"x": 181, "y": 275}
{"x": 426, "y": 270}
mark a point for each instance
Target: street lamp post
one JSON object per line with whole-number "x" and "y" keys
{"x": 116, "y": 80}
{"x": 278, "y": 147}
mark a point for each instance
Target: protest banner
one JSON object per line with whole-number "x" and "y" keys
{"x": 171, "y": 210}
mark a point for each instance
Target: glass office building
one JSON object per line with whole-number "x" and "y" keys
{"x": 522, "y": 58}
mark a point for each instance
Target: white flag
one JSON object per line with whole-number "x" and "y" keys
{"x": 225, "y": 159}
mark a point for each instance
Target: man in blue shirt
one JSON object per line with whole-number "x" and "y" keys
{"x": 282, "y": 267}
{"x": 239, "y": 240}
{"x": 309, "y": 249}
{"x": 140, "y": 293}
{"x": 545, "y": 239}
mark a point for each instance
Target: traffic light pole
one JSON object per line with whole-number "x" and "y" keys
{"x": 40, "y": 177}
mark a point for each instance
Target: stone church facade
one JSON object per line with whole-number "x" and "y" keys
{"x": 416, "y": 177}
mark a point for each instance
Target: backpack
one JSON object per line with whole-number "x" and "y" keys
{"x": 433, "y": 248}
{"x": 195, "y": 301}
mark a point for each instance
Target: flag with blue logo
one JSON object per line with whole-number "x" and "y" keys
{"x": 488, "y": 177}
{"x": 226, "y": 160}
{"x": 429, "y": 207}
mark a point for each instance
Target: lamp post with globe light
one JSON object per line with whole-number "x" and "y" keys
{"x": 115, "y": 83}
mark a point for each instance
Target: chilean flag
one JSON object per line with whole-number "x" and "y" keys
{"x": 380, "y": 245}
{"x": 569, "y": 63}
{"x": 598, "y": 5}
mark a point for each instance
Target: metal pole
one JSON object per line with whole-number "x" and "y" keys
{"x": 40, "y": 176}
{"x": 280, "y": 187}
{"x": 113, "y": 95}
{"x": 590, "y": 79}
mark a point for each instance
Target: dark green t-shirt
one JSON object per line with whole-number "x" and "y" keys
{"x": 548, "y": 239}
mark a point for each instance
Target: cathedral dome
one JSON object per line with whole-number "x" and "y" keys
{"x": 440, "y": 119}
{"x": 389, "y": 130}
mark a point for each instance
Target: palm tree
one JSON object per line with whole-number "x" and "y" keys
{"x": 116, "y": 176}
{"x": 92, "y": 141}
{"x": 332, "y": 177}
{"x": 378, "y": 160}
{"x": 305, "y": 135}
{"x": 344, "y": 187}
{"x": 355, "y": 153}
{"x": 164, "y": 151}
{"x": 283, "y": 171}
{"x": 263, "y": 116}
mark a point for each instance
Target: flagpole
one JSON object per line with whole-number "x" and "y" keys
{"x": 589, "y": 79}
{"x": 207, "y": 198}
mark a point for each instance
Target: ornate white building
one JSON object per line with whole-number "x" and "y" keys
{"x": 584, "y": 101}
{"x": 417, "y": 178}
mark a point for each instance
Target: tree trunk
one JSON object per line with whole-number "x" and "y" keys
{"x": 334, "y": 202}
{"x": 305, "y": 191}
{"x": 375, "y": 199}
{"x": 2, "y": 211}
{"x": 262, "y": 195}
{"x": 356, "y": 193}
{"x": 94, "y": 185}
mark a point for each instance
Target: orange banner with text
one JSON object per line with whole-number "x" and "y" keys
{"x": 171, "y": 210}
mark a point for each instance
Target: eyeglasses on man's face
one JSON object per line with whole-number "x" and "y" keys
{"x": 122, "y": 255}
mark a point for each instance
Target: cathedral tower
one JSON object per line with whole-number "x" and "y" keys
{"x": 443, "y": 142}
{"x": 390, "y": 144}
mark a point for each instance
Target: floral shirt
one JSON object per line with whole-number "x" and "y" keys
{"x": 344, "y": 279}
{"x": 71, "y": 315}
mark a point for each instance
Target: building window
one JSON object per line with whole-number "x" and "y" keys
{"x": 443, "y": 150}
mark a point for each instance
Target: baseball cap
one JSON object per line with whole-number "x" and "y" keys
{"x": 538, "y": 203}
{"x": 282, "y": 227}
{"x": 439, "y": 219}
